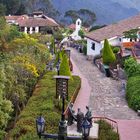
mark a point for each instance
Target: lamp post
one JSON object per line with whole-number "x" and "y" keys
{"x": 62, "y": 134}
{"x": 58, "y": 67}
{"x": 40, "y": 125}
{"x": 62, "y": 91}
{"x": 86, "y": 129}
{"x": 62, "y": 85}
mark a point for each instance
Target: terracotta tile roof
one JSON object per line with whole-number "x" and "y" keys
{"x": 72, "y": 26}
{"x": 33, "y": 22}
{"x": 115, "y": 29}
{"x": 24, "y": 20}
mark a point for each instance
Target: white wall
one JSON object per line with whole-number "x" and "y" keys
{"x": 113, "y": 41}
{"x": 98, "y": 47}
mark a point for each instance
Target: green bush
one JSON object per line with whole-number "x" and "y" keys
{"x": 131, "y": 67}
{"x": 116, "y": 50}
{"x": 81, "y": 33}
{"x": 42, "y": 102}
{"x": 133, "y": 92}
{"x": 64, "y": 66}
{"x": 58, "y": 56}
{"x": 106, "y": 132}
{"x": 108, "y": 55}
{"x": 85, "y": 50}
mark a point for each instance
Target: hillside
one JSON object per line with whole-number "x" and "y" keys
{"x": 106, "y": 12}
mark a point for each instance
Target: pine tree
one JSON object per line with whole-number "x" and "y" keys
{"x": 52, "y": 46}
{"x": 64, "y": 66}
{"x": 108, "y": 55}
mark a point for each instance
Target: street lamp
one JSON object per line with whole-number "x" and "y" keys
{"x": 62, "y": 91}
{"x": 86, "y": 129}
{"x": 40, "y": 125}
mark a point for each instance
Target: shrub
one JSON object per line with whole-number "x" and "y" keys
{"x": 133, "y": 92}
{"x": 131, "y": 67}
{"x": 41, "y": 102}
{"x": 52, "y": 45}
{"x": 85, "y": 50}
{"x": 106, "y": 131}
{"x": 58, "y": 56}
{"x": 64, "y": 66}
{"x": 115, "y": 50}
{"x": 108, "y": 55}
{"x": 81, "y": 33}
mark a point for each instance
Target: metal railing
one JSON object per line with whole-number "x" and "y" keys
{"x": 113, "y": 123}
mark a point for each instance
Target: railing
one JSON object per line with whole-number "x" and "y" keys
{"x": 113, "y": 123}
{"x": 55, "y": 137}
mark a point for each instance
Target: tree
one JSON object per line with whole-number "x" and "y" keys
{"x": 2, "y": 10}
{"x": 132, "y": 34}
{"x": 5, "y": 105}
{"x": 11, "y": 5}
{"x": 108, "y": 55}
{"x": 81, "y": 33}
{"x": 64, "y": 66}
{"x": 52, "y": 46}
{"x": 58, "y": 57}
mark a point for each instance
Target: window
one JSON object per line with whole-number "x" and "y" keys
{"x": 93, "y": 46}
{"x": 120, "y": 39}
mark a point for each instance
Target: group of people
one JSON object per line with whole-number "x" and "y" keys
{"x": 79, "y": 117}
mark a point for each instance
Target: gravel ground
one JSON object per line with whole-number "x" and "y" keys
{"x": 107, "y": 97}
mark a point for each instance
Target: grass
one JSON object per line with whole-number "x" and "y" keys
{"x": 42, "y": 102}
{"x": 106, "y": 132}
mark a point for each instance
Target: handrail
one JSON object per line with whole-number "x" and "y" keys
{"x": 113, "y": 123}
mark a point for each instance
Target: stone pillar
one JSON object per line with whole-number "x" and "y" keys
{"x": 25, "y": 30}
{"x": 31, "y": 30}
{"x": 36, "y": 29}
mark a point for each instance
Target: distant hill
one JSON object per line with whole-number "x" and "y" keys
{"x": 107, "y": 11}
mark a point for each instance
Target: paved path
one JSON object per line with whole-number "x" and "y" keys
{"x": 105, "y": 96}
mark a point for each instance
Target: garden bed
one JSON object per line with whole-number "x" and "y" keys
{"x": 42, "y": 102}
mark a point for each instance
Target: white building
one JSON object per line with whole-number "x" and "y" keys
{"x": 113, "y": 32}
{"x": 75, "y": 34}
{"x": 33, "y": 24}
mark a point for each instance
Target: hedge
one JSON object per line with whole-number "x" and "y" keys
{"x": 133, "y": 92}
{"x": 42, "y": 102}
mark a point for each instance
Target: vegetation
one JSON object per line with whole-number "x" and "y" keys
{"x": 115, "y": 49}
{"x": 64, "y": 66}
{"x": 17, "y": 7}
{"x": 106, "y": 132}
{"x": 81, "y": 33}
{"x": 52, "y": 45}
{"x": 108, "y": 55}
{"x": 88, "y": 17}
{"x": 132, "y": 34}
{"x": 42, "y": 102}
{"x": 132, "y": 69}
{"x": 20, "y": 59}
{"x": 85, "y": 50}
{"x": 133, "y": 92}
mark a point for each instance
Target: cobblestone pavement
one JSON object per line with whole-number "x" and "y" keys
{"x": 107, "y": 97}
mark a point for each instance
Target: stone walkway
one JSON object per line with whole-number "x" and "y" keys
{"x": 106, "y": 97}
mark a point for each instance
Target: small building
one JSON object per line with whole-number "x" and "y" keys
{"x": 113, "y": 32}
{"x": 36, "y": 23}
